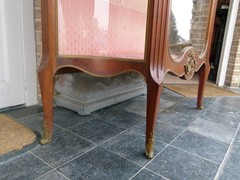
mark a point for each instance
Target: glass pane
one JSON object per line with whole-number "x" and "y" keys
{"x": 109, "y": 28}
{"x": 188, "y": 24}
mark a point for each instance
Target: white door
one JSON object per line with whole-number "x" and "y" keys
{"x": 13, "y": 53}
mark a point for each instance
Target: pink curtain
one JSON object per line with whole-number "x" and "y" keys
{"x": 109, "y": 28}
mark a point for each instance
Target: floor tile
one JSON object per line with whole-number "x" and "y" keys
{"x": 200, "y": 142}
{"x": 175, "y": 119}
{"x": 147, "y": 175}
{"x": 228, "y": 175}
{"x": 96, "y": 130}
{"x": 142, "y": 99}
{"x": 131, "y": 146}
{"x": 63, "y": 148}
{"x": 201, "y": 146}
{"x": 179, "y": 165}
{"x": 207, "y": 102}
{"x": 230, "y": 167}
{"x": 53, "y": 175}
{"x": 221, "y": 119}
{"x": 170, "y": 95}
{"x": 25, "y": 111}
{"x": 165, "y": 103}
{"x": 163, "y": 132}
{"x": 230, "y": 101}
{"x": 55, "y": 109}
{"x": 99, "y": 164}
{"x": 66, "y": 118}
{"x": 213, "y": 130}
{"x": 232, "y": 161}
{"x": 137, "y": 106}
{"x": 236, "y": 141}
{"x": 23, "y": 167}
{"x": 225, "y": 110}
{"x": 35, "y": 123}
{"x": 191, "y": 111}
{"x": 119, "y": 117}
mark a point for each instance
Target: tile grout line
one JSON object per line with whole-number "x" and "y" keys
{"x": 238, "y": 114}
{"x": 195, "y": 155}
{"x": 63, "y": 164}
{"x": 201, "y": 135}
{"x": 41, "y": 159}
{"x": 221, "y": 125}
{"x": 129, "y": 129}
{"x": 81, "y": 123}
{"x": 144, "y": 167}
{"x": 122, "y": 156}
{"x": 62, "y": 174}
{"x": 113, "y": 137}
{"x": 80, "y": 137}
{"x": 44, "y": 174}
{"x": 226, "y": 155}
{"x": 95, "y": 146}
{"x": 224, "y": 106}
{"x": 196, "y": 118}
{"x": 94, "y": 142}
{"x": 99, "y": 145}
{"x": 157, "y": 174}
{"x": 126, "y": 128}
{"x": 51, "y": 172}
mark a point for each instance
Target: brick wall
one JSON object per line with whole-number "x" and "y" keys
{"x": 197, "y": 36}
{"x": 233, "y": 70}
{"x": 200, "y": 12}
{"x": 38, "y": 35}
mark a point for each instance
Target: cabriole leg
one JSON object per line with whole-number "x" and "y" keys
{"x": 46, "y": 85}
{"x": 203, "y": 76}
{"x": 153, "y": 100}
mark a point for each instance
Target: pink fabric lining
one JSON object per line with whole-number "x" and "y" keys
{"x": 109, "y": 28}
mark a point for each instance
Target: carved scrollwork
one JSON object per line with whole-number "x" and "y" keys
{"x": 191, "y": 62}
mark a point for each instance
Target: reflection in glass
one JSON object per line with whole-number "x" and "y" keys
{"x": 109, "y": 28}
{"x": 188, "y": 24}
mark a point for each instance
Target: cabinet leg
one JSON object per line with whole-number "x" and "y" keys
{"x": 46, "y": 85}
{"x": 203, "y": 76}
{"x": 153, "y": 100}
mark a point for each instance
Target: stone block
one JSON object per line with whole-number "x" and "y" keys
{"x": 84, "y": 94}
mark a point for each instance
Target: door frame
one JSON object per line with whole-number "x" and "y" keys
{"x": 227, "y": 41}
{"x": 29, "y": 52}
{"x": 27, "y": 48}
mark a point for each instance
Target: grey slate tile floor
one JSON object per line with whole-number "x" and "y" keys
{"x": 109, "y": 144}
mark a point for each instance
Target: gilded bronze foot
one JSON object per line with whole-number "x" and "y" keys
{"x": 46, "y": 138}
{"x": 200, "y": 108}
{"x": 149, "y": 148}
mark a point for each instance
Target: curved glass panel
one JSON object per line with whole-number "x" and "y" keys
{"x": 188, "y": 24}
{"x": 106, "y": 28}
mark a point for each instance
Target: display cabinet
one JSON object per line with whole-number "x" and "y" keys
{"x": 110, "y": 37}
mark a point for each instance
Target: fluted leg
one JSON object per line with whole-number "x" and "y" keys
{"x": 153, "y": 100}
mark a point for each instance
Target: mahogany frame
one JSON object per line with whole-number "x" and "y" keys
{"x": 158, "y": 62}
